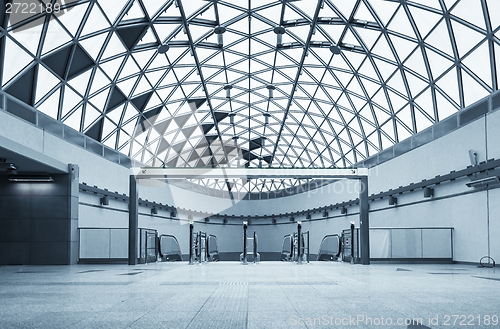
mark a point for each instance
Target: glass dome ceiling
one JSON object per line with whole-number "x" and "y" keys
{"x": 250, "y": 83}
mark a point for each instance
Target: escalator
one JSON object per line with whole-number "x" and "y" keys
{"x": 169, "y": 248}
{"x": 287, "y": 248}
{"x": 212, "y": 249}
{"x": 329, "y": 249}
{"x": 295, "y": 248}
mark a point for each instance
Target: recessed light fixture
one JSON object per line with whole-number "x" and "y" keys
{"x": 31, "y": 178}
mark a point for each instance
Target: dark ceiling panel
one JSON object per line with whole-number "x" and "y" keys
{"x": 80, "y": 63}
{"x": 22, "y": 88}
{"x": 219, "y": 116}
{"x": 141, "y": 101}
{"x": 195, "y": 104}
{"x": 95, "y": 131}
{"x": 58, "y": 61}
{"x": 116, "y": 98}
{"x": 131, "y": 35}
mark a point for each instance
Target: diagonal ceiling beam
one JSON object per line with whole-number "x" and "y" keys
{"x": 301, "y": 65}
{"x": 198, "y": 67}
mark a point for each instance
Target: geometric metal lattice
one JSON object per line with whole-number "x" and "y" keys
{"x": 195, "y": 83}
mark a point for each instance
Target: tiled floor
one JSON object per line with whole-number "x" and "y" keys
{"x": 267, "y": 295}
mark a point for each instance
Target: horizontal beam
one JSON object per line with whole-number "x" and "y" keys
{"x": 248, "y": 173}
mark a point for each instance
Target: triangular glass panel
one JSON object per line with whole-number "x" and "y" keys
{"x": 50, "y": 106}
{"x": 91, "y": 114}
{"x": 29, "y": 38}
{"x": 421, "y": 121}
{"x": 70, "y": 100}
{"x": 470, "y": 11}
{"x": 465, "y": 38}
{"x": 99, "y": 81}
{"x": 479, "y": 63}
{"x": 426, "y": 103}
{"x": 111, "y": 67}
{"x": 424, "y": 19}
{"x": 449, "y": 84}
{"x": 384, "y": 68}
{"x": 439, "y": 38}
{"x": 148, "y": 38}
{"x": 112, "y": 8}
{"x": 74, "y": 119}
{"x": 94, "y": 44}
{"x": 55, "y": 37}
{"x": 80, "y": 62}
{"x": 130, "y": 68}
{"x": 403, "y": 47}
{"x": 416, "y": 84}
{"x": 17, "y": 59}
{"x": 384, "y": 9}
{"x": 133, "y": 12}
{"x": 345, "y": 8}
{"x": 72, "y": 17}
{"x": 383, "y": 49}
{"x": 99, "y": 100}
{"x": 396, "y": 82}
{"x": 143, "y": 57}
{"x": 473, "y": 91}
{"x": 438, "y": 63}
{"x": 116, "y": 97}
{"x": 401, "y": 23}
{"x": 49, "y": 82}
{"x": 142, "y": 86}
{"x": 445, "y": 108}
{"x": 96, "y": 21}
{"x": 116, "y": 115}
{"x": 131, "y": 35}
{"x": 114, "y": 47}
{"x": 22, "y": 87}
{"x": 127, "y": 85}
{"x": 368, "y": 36}
{"x": 397, "y": 100}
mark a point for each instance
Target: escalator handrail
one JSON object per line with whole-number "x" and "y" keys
{"x": 255, "y": 237}
{"x": 283, "y": 244}
{"x": 216, "y": 244}
{"x": 176, "y": 241}
{"x": 328, "y": 236}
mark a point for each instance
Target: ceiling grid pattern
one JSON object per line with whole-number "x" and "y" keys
{"x": 188, "y": 83}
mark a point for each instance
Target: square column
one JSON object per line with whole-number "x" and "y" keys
{"x": 364, "y": 222}
{"x": 133, "y": 221}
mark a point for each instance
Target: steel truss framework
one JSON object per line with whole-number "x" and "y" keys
{"x": 253, "y": 83}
